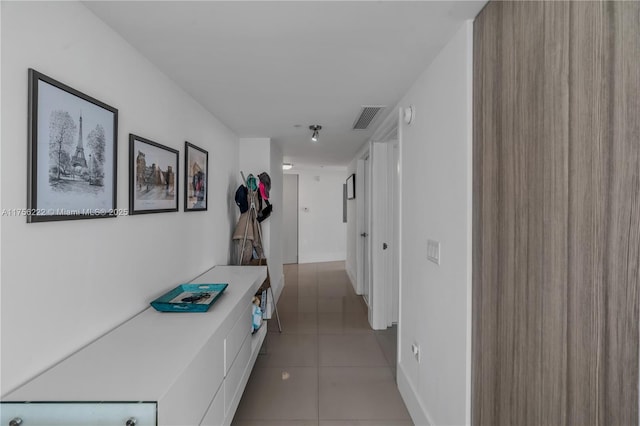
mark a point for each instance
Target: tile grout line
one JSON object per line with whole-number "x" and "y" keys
{"x": 380, "y": 338}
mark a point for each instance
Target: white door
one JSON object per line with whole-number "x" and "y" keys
{"x": 290, "y": 219}
{"x": 364, "y": 234}
{"x": 380, "y": 241}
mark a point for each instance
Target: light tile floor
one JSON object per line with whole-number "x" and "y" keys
{"x": 328, "y": 367}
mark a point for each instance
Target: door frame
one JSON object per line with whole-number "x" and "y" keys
{"x": 393, "y": 294}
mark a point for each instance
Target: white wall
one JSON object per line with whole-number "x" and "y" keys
{"x": 436, "y": 204}
{"x": 259, "y": 155}
{"x": 322, "y": 236}
{"x": 66, "y": 283}
{"x": 275, "y": 221}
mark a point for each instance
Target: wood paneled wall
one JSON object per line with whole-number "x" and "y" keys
{"x": 556, "y": 248}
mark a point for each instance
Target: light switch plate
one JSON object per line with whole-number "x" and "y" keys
{"x": 433, "y": 251}
{"x": 415, "y": 350}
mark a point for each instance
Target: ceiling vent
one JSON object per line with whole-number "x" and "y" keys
{"x": 366, "y": 116}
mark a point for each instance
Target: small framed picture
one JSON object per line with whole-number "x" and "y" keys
{"x": 196, "y": 178}
{"x": 72, "y": 153}
{"x": 153, "y": 177}
{"x": 351, "y": 187}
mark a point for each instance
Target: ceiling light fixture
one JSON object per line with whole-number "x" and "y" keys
{"x": 316, "y": 134}
{"x": 287, "y": 166}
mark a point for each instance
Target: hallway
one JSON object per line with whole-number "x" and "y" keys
{"x": 327, "y": 368}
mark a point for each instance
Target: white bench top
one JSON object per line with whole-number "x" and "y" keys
{"x": 141, "y": 359}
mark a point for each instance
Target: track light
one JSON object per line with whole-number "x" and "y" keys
{"x": 316, "y": 134}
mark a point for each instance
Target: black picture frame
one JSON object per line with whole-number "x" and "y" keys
{"x": 196, "y": 178}
{"x": 351, "y": 187}
{"x": 344, "y": 203}
{"x": 153, "y": 188}
{"x": 63, "y": 183}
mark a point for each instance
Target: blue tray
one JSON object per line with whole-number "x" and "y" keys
{"x": 189, "y": 298}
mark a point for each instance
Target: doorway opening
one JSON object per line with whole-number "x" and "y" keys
{"x": 290, "y": 218}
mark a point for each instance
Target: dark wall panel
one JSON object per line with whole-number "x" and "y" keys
{"x": 556, "y": 213}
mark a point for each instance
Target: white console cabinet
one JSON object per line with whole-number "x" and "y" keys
{"x": 159, "y": 368}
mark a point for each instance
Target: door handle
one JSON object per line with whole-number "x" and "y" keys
{"x": 364, "y": 234}
{"x": 384, "y": 246}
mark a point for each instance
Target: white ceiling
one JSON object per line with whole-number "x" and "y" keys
{"x": 262, "y": 67}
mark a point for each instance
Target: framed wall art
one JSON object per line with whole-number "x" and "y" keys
{"x": 153, "y": 177}
{"x": 72, "y": 153}
{"x": 196, "y": 178}
{"x": 351, "y": 187}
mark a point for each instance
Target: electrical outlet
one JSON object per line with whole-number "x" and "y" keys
{"x": 415, "y": 349}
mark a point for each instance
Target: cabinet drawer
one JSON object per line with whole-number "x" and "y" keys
{"x": 215, "y": 413}
{"x": 236, "y": 337}
{"x": 234, "y": 377}
{"x": 79, "y": 413}
{"x": 188, "y": 398}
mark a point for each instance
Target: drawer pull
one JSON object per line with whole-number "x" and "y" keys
{"x": 132, "y": 421}
{"x": 16, "y": 421}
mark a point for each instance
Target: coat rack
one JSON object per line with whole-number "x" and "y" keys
{"x": 252, "y": 218}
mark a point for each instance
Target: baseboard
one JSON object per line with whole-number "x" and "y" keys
{"x": 352, "y": 278}
{"x": 409, "y": 394}
{"x": 322, "y": 257}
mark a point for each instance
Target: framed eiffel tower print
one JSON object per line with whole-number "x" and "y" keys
{"x": 72, "y": 153}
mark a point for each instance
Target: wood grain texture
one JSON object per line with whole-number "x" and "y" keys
{"x": 556, "y": 251}
{"x": 623, "y": 232}
{"x": 555, "y": 146}
{"x": 589, "y": 126}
